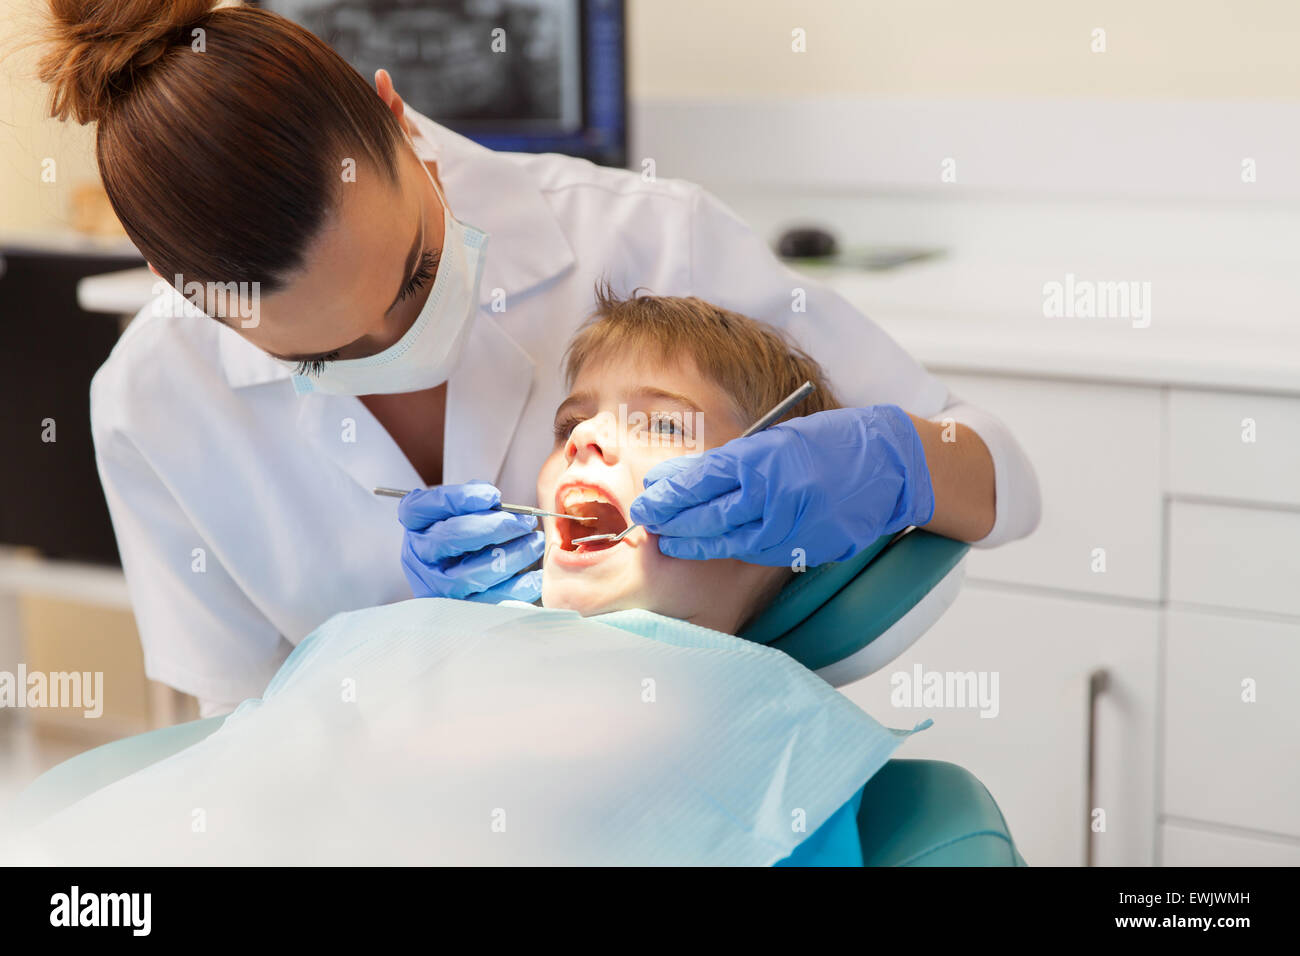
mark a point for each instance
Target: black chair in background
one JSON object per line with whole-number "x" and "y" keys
{"x": 50, "y": 496}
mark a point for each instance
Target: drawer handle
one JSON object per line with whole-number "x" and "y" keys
{"x": 1098, "y": 682}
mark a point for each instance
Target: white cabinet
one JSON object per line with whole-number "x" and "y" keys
{"x": 1174, "y": 453}
{"x": 1032, "y": 755}
{"x": 1194, "y": 496}
{"x": 1235, "y": 557}
{"x": 1190, "y": 845}
{"x": 1232, "y": 724}
{"x": 1096, "y": 449}
{"x": 1234, "y": 446}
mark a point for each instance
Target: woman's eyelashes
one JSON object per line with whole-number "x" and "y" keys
{"x": 425, "y": 271}
{"x": 316, "y": 365}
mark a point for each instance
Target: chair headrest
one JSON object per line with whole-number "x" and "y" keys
{"x": 828, "y": 613}
{"x": 807, "y": 591}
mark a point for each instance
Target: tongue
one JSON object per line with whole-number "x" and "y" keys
{"x": 608, "y": 521}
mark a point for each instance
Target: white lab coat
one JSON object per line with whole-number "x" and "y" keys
{"x": 243, "y": 511}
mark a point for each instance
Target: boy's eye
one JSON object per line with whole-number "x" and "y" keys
{"x": 662, "y": 423}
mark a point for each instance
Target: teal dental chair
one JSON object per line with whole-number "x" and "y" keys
{"x": 843, "y": 621}
{"x": 847, "y": 620}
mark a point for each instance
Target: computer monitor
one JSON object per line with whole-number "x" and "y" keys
{"x": 520, "y": 75}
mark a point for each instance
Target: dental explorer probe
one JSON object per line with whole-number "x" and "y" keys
{"x": 513, "y": 509}
{"x": 779, "y": 411}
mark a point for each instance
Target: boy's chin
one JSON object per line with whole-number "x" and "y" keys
{"x": 573, "y": 596}
{"x": 585, "y": 597}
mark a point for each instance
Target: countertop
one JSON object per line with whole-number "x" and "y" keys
{"x": 1218, "y": 326}
{"x": 1221, "y": 326}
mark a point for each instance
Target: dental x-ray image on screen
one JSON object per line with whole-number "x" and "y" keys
{"x": 472, "y": 64}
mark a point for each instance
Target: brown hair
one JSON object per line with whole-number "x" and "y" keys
{"x": 222, "y": 132}
{"x": 752, "y": 362}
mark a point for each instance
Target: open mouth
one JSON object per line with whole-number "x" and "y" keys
{"x": 587, "y": 501}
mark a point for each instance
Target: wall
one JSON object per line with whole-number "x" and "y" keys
{"x": 740, "y": 49}
{"x": 1176, "y": 49}
{"x": 28, "y": 135}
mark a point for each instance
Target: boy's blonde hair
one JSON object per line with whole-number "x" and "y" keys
{"x": 751, "y": 361}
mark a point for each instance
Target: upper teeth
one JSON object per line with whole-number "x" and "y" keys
{"x": 576, "y": 496}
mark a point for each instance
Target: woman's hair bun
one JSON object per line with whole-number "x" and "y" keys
{"x": 99, "y": 47}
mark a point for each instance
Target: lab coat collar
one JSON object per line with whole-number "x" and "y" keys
{"x": 526, "y": 245}
{"x": 485, "y": 400}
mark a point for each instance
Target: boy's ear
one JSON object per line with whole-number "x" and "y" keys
{"x": 154, "y": 270}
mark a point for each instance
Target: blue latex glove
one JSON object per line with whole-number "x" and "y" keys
{"x": 829, "y": 484}
{"x": 457, "y": 547}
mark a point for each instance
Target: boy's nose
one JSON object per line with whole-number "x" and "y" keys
{"x": 595, "y": 436}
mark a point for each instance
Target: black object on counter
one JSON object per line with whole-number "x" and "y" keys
{"x": 50, "y": 496}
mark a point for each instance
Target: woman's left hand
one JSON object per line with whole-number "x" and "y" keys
{"x": 810, "y": 490}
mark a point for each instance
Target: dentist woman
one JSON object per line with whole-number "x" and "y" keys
{"x": 414, "y": 293}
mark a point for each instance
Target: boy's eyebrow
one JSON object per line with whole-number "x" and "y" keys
{"x": 641, "y": 392}
{"x": 575, "y": 398}
{"x": 667, "y": 396}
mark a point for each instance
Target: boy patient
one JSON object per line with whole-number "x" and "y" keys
{"x": 652, "y": 378}
{"x": 468, "y": 707}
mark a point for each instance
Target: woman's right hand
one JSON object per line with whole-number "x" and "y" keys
{"x": 457, "y": 546}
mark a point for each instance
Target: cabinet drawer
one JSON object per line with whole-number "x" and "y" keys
{"x": 1208, "y": 456}
{"x": 1247, "y": 558}
{"x": 1096, "y": 450}
{"x": 1228, "y": 761}
{"x": 1192, "y": 846}
{"x": 1033, "y": 753}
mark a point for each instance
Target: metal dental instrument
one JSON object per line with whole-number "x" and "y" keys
{"x": 781, "y": 409}
{"x": 513, "y": 509}
{"x": 611, "y": 538}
